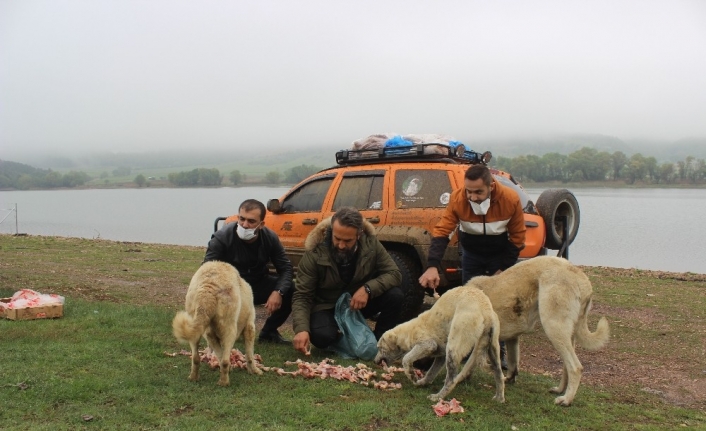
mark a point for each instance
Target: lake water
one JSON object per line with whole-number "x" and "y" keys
{"x": 657, "y": 229}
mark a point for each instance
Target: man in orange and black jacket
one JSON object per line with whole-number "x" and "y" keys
{"x": 491, "y": 228}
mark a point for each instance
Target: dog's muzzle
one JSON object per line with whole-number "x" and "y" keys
{"x": 379, "y": 358}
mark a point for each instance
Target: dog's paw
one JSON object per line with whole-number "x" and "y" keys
{"x": 555, "y": 390}
{"x": 562, "y": 401}
{"x": 255, "y": 370}
{"x": 421, "y": 382}
{"x": 434, "y": 397}
{"x": 500, "y": 399}
{"x": 224, "y": 383}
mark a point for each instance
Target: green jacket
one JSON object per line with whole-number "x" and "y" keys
{"x": 318, "y": 284}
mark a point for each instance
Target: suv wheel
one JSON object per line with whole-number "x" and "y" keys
{"x": 413, "y": 292}
{"x": 552, "y": 204}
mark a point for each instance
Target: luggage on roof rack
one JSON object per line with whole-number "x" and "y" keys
{"x": 417, "y": 152}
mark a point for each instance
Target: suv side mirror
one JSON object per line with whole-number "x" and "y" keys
{"x": 274, "y": 206}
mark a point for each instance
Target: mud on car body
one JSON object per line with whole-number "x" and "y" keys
{"x": 403, "y": 192}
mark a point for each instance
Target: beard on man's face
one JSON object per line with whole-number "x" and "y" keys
{"x": 344, "y": 256}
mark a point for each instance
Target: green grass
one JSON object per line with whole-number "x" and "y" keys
{"x": 107, "y": 361}
{"x": 104, "y": 359}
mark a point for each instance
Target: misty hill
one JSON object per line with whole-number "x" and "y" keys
{"x": 10, "y": 172}
{"x": 557, "y": 144}
{"x": 663, "y": 151}
{"x": 259, "y": 160}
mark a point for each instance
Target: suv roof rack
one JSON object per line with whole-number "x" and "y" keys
{"x": 418, "y": 153}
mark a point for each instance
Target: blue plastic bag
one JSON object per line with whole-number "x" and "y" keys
{"x": 357, "y": 339}
{"x": 398, "y": 141}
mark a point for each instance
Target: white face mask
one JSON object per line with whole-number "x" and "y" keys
{"x": 246, "y": 234}
{"x": 481, "y": 208}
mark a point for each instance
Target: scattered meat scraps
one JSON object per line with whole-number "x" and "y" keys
{"x": 442, "y": 408}
{"x": 360, "y": 373}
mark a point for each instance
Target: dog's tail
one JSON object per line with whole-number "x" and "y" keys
{"x": 188, "y": 329}
{"x": 592, "y": 340}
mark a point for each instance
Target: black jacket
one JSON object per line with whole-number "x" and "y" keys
{"x": 226, "y": 246}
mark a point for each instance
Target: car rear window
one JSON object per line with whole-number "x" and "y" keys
{"x": 422, "y": 188}
{"x": 363, "y": 192}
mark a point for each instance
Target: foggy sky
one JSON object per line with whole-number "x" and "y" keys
{"x": 150, "y": 75}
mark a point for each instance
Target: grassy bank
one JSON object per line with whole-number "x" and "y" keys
{"x": 103, "y": 365}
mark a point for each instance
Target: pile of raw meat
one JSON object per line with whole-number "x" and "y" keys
{"x": 28, "y": 298}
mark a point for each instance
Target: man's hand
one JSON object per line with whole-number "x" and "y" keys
{"x": 359, "y": 299}
{"x": 274, "y": 302}
{"x": 301, "y": 343}
{"x": 430, "y": 278}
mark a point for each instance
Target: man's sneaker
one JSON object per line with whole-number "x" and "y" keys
{"x": 272, "y": 337}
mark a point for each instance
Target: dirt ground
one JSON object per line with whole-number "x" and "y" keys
{"x": 675, "y": 380}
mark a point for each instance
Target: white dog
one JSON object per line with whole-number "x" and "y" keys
{"x": 219, "y": 307}
{"x": 555, "y": 293}
{"x": 461, "y": 323}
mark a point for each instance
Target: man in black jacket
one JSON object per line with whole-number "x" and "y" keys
{"x": 249, "y": 246}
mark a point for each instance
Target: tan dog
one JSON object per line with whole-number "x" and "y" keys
{"x": 219, "y": 307}
{"x": 555, "y": 293}
{"x": 460, "y": 323}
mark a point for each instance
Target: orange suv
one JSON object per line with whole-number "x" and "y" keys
{"x": 403, "y": 192}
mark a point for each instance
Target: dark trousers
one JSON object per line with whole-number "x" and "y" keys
{"x": 473, "y": 264}
{"x": 323, "y": 329}
{"x": 261, "y": 292}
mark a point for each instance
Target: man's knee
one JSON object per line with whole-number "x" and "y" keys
{"x": 323, "y": 329}
{"x": 393, "y": 297}
{"x": 323, "y": 337}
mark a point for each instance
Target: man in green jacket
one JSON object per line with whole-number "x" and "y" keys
{"x": 343, "y": 255}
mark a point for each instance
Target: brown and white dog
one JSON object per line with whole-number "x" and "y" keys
{"x": 460, "y": 324}
{"x": 219, "y": 307}
{"x": 556, "y": 294}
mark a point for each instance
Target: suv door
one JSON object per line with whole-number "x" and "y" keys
{"x": 301, "y": 209}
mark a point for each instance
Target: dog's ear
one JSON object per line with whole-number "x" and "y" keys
{"x": 390, "y": 339}
{"x": 384, "y": 341}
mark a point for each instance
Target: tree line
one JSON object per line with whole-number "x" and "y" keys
{"x": 19, "y": 176}
{"x": 589, "y": 164}
{"x": 586, "y": 164}
{"x": 212, "y": 177}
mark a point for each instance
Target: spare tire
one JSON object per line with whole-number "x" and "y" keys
{"x": 412, "y": 290}
{"x": 552, "y": 205}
